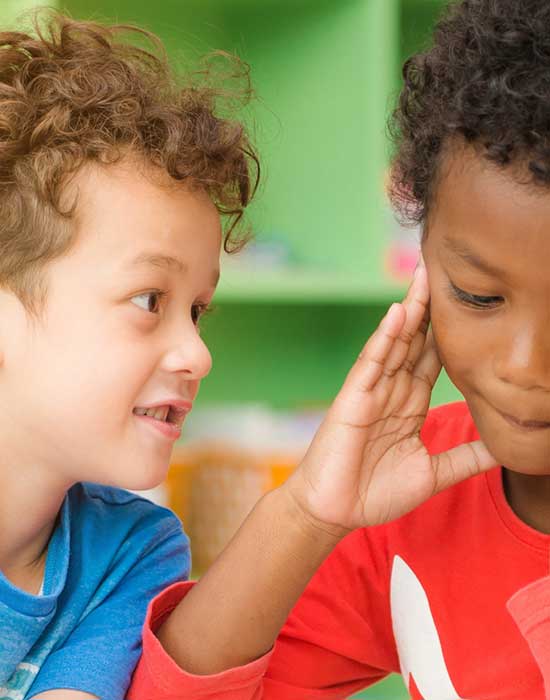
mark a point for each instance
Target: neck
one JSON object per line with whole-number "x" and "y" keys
{"x": 529, "y": 498}
{"x": 29, "y": 505}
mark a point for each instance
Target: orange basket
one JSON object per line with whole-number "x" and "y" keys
{"x": 213, "y": 488}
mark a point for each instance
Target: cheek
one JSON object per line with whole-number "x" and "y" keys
{"x": 91, "y": 379}
{"x": 457, "y": 341}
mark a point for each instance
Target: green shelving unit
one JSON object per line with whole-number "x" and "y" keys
{"x": 326, "y": 74}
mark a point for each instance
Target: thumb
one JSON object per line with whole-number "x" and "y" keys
{"x": 461, "y": 463}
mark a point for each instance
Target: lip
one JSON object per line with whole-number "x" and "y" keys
{"x": 172, "y": 431}
{"x": 528, "y": 425}
{"x": 168, "y": 430}
{"x": 184, "y": 404}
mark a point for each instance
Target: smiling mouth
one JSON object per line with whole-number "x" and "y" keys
{"x": 527, "y": 424}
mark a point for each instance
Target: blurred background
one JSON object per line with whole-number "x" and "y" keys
{"x": 294, "y": 309}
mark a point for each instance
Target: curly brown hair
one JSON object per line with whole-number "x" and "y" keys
{"x": 485, "y": 82}
{"x": 77, "y": 92}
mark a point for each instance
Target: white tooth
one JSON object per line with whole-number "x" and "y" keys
{"x": 158, "y": 412}
{"x": 140, "y": 411}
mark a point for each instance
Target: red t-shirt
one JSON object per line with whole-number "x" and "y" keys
{"x": 455, "y": 596}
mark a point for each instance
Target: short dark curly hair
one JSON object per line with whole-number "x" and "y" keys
{"x": 485, "y": 82}
{"x": 78, "y": 92}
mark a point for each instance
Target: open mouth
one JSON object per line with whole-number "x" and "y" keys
{"x": 164, "y": 414}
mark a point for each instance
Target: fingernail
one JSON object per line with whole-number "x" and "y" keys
{"x": 391, "y": 310}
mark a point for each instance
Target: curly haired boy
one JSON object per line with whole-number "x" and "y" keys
{"x": 113, "y": 176}
{"x": 413, "y": 541}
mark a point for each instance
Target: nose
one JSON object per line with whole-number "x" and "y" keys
{"x": 189, "y": 355}
{"x": 523, "y": 357}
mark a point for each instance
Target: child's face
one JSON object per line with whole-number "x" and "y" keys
{"x": 107, "y": 345}
{"x": 490, "y": 237}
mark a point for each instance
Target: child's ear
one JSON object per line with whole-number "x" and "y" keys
{"x": 14, "y": 322}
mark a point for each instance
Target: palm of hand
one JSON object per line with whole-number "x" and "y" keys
{"x": 367, "y": 464}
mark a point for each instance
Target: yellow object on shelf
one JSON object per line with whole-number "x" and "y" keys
{"x": 213, "y": 488}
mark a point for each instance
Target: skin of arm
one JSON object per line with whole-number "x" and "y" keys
{"x": 352, "y": 476}
{"x": 256, "y": 600}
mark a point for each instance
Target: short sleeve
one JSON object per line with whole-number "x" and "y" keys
{"x": 101, "y": 652}
{"x": 158, "y": 677}
{"x": 337, "y": 640}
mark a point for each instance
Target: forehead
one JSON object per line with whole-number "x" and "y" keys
{"x": 489, "y": 210}
{"x": 123, "y": 212}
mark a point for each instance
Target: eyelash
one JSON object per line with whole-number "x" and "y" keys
{"x": 203, "y": 309}
{"x": 473, "y": 300}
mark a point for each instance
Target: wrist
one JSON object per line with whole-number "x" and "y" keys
{"x": 234, "y": 613}
{"x": 304, "y": 519}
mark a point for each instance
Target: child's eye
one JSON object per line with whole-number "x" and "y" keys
{"x": 478, "y": 302}
{"x": 152, "y": 300}
{"x": 198, "y": 311}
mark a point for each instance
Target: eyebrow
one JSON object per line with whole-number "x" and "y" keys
{"x": 468, "y": 256}
{"x": 170, "y": 262}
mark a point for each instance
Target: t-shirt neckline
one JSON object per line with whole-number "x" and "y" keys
{"x": 55, "y": 574}
{"x": 523, "y": 531}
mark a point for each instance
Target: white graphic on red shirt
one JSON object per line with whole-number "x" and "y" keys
{"x": 420, "y": 654}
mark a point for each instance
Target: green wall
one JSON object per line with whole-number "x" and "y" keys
{"x": 326, "y": 73}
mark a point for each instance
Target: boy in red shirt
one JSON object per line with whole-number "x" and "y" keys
{"x": 406, "y": 541}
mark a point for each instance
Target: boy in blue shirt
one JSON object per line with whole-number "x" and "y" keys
{"x": 112, "y": 180}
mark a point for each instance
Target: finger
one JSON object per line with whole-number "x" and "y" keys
{"x": 370, "y": 363}
{"x": 428, "y": 366}
{"x": 415, "y": 304}
{"x": 419, "y": 340}
{"x": 417, "y": 344}
{"x": 461, "y": 463}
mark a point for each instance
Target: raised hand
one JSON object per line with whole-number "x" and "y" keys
{"x": 367, "y": 464}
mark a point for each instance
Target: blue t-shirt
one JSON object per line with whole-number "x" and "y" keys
{"x": 110, "y": 554}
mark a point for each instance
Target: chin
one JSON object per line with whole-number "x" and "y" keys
{"x": 145, "y": 482}
{"x": 135, "y": 479}
{"x": 538, "y": 470}
{"x": 520, "y": 458}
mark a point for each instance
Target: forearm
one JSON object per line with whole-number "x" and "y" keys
{"x": 235, "y": 612}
